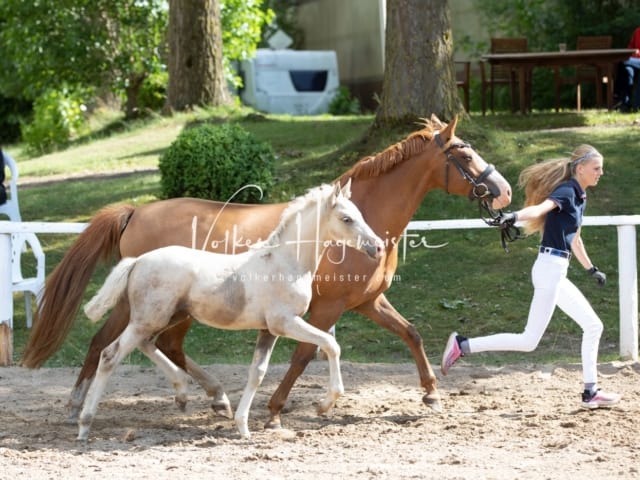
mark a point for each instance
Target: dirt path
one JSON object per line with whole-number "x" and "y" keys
{"x": 512, "y": 422}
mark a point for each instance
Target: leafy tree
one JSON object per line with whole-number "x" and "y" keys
{"x": 242, "y": 26}
{"x": 106, "y": 44}
{"x": 418, "y": 78}
{"x": 196, "y": 75}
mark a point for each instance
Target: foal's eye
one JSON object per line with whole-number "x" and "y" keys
{"x": 347, "y": 219}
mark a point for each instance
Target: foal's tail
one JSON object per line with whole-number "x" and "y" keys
{"x": 111, "y": 291}
{"x": 65, "y": 286}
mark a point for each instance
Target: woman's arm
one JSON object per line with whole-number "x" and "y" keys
{"x": 535, "y": 211}
{"x": 579, "y": 251}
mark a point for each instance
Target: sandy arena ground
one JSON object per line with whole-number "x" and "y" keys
{"x": 512, "y": 422}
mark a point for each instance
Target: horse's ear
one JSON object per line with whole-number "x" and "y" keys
{"x": 450, "y": 130}
{"x": 346, "y": 190}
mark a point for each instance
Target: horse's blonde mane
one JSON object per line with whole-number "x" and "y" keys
{"x": 374, "y": 165}
{"x": 319, "y": 195}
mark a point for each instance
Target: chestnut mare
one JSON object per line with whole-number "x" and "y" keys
{"x": 387, "y": 188}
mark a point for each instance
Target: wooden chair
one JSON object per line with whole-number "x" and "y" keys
{"x": 585, "y": 73}
{"x": 31, "y": 286}
{"x": 463, "y": 71}
{"x": 500, "y": 74}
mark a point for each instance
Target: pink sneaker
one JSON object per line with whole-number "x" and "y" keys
{"x": 451, "y": 354}
{"x": 599, "y": 399}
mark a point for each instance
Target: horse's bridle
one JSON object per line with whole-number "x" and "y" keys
{"x": 480, "y": 189}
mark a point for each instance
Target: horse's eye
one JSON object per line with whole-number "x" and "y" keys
{"x": 347, "y": 219}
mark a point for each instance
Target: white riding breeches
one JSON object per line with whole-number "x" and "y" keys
{"x": 551, "y": 288}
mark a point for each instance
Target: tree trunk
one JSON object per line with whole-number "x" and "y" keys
{"x": 419, "y": 77}
{"x": 196, "y": 73}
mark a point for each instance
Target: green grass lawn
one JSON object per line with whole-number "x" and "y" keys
{"x": 470, "y": 284}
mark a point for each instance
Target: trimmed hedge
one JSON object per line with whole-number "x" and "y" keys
{"x": 218, "y": 162}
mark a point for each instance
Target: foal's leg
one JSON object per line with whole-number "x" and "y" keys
{"x": 110, "y": 330}
{"x": 170, "y": 342}
{"x": 322, "y": 314}
{"x": 295, "y": 327}
{"x": 110, "y": 357}
{"x": 170, "y": 369}
{"x": 220, "y": 402}
{"x": 257, "y": 371}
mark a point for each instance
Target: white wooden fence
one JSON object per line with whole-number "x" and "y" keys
{"x": 627, "y": 263}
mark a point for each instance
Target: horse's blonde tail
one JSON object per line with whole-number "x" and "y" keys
{"x": 111, "y": 291}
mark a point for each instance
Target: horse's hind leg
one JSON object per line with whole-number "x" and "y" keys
{"x": 110, "y": 357}
{"x": 114, "y": 325}
{"x": 170, "y": 343}
{"x": 220, "y": 403}
{"x": 173, "y": 372}
{"x": 264, "y": 347}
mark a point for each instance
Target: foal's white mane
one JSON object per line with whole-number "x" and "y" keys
{"x": 318, "y": 195}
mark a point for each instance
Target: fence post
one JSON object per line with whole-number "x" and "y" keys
{"x": 6, "y": 301}
{"x": 628, "y": 275}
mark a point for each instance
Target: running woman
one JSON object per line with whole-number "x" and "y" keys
{"x": 555, "y": 200}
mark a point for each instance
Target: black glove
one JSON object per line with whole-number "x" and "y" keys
{"x": 600, "y": 277}
{"x": 508, "y": 219}
{"x": 504, "y": 220}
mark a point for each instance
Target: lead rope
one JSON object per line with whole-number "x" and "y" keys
{"x": 508, "y": 231}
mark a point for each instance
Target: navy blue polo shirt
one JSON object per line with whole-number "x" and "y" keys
{"x": 562, "y": 223}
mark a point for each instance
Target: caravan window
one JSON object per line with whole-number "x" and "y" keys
{"x": 309, "y": 80}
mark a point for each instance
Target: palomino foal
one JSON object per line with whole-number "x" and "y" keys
{"x": 267, "y": 288}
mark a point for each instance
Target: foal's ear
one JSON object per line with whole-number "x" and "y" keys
{"x": 346, "y": 190}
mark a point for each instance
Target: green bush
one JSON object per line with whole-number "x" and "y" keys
{"x": 217, "y": 162}
{"x": 153, "y": 92}
{"x": 344, "y": 104}
{"x": 58, "y": 117}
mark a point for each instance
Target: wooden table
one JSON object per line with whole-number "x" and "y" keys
{"x": 523, "y": 63}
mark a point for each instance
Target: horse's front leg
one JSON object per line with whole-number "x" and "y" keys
{"x": 382, "y": 312}
{"x": 258, "y": 369}
{"x": 297, "y": 329}
{"x": 322, "y": 315}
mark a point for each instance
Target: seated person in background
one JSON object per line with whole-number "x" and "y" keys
{"x": 3, "y": 192}
{"x": 626, "y": 73}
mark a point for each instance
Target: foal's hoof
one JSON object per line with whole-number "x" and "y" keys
{"x": 433, "y": 401}
{"x": 222, "y": 410}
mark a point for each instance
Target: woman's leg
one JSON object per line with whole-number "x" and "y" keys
{"x": 572, "y": 302}
{"x": 547, "y": 274}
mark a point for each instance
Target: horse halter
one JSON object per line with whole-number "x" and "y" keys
{"x": 480, "y": 189}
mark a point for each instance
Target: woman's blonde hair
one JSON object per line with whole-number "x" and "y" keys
{"x": 540, "y": 179}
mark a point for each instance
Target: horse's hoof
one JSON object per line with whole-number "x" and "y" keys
{"x": 72, "y": 419}
{"x": 433, "y": 401}
{"x": 222, "y": 410}
{"x": 181, "y": 403}
{"x": 324, "y": 406}
{"x": 274, "y": 423}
